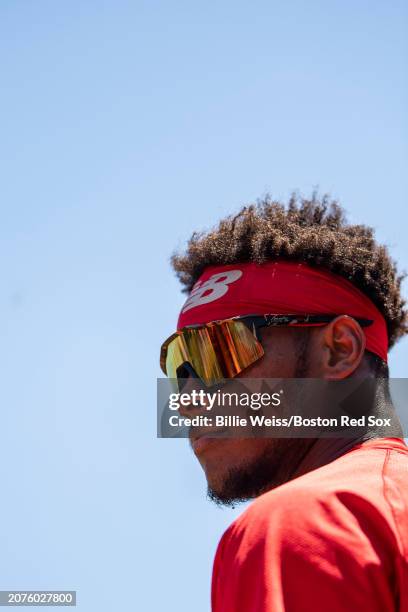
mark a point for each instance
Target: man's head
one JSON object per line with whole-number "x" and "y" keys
{"x": 314, "y": 233}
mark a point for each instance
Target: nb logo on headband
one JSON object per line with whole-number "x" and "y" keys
{"x": 212, "y": 289}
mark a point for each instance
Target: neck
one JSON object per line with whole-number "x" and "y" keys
{"x": 324, "y": 450}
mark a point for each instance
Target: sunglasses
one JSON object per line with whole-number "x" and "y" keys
{"x": 220, "y": 350}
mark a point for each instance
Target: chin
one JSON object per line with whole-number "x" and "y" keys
{"x": 241, "y": 476}
{"x": 231, "y": 484}
{"x": 217, "y": 482}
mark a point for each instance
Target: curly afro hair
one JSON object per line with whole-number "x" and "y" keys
{"x": 314, "y": 231}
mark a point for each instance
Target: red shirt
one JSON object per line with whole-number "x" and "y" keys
{"x": 332, "y": 540}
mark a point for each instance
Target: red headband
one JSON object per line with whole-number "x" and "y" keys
{"x": 281, "y": 287}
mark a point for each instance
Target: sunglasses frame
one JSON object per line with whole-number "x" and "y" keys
{"x": 255, "y": 322}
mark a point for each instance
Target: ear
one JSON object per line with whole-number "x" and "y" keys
{"x": 344, "y": 344}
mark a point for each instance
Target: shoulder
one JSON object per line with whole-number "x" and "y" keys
{"x": 331, "y": 532}
{"x": 344, "y": 503}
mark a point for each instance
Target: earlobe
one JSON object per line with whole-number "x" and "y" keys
{"x": 344, "y": 344}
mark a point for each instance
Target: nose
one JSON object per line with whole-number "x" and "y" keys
{"x": 194, "y": 407}
{"x": 184, "y": 372}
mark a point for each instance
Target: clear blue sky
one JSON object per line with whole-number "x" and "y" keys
{"x": 126, "y": 125}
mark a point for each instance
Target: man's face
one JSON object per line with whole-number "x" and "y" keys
{"x": 241, "y": 468}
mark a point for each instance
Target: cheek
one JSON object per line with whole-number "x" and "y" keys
{"x": 278, "y": 362}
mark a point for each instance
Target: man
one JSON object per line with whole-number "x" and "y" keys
{"x": 328, "y": 527}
